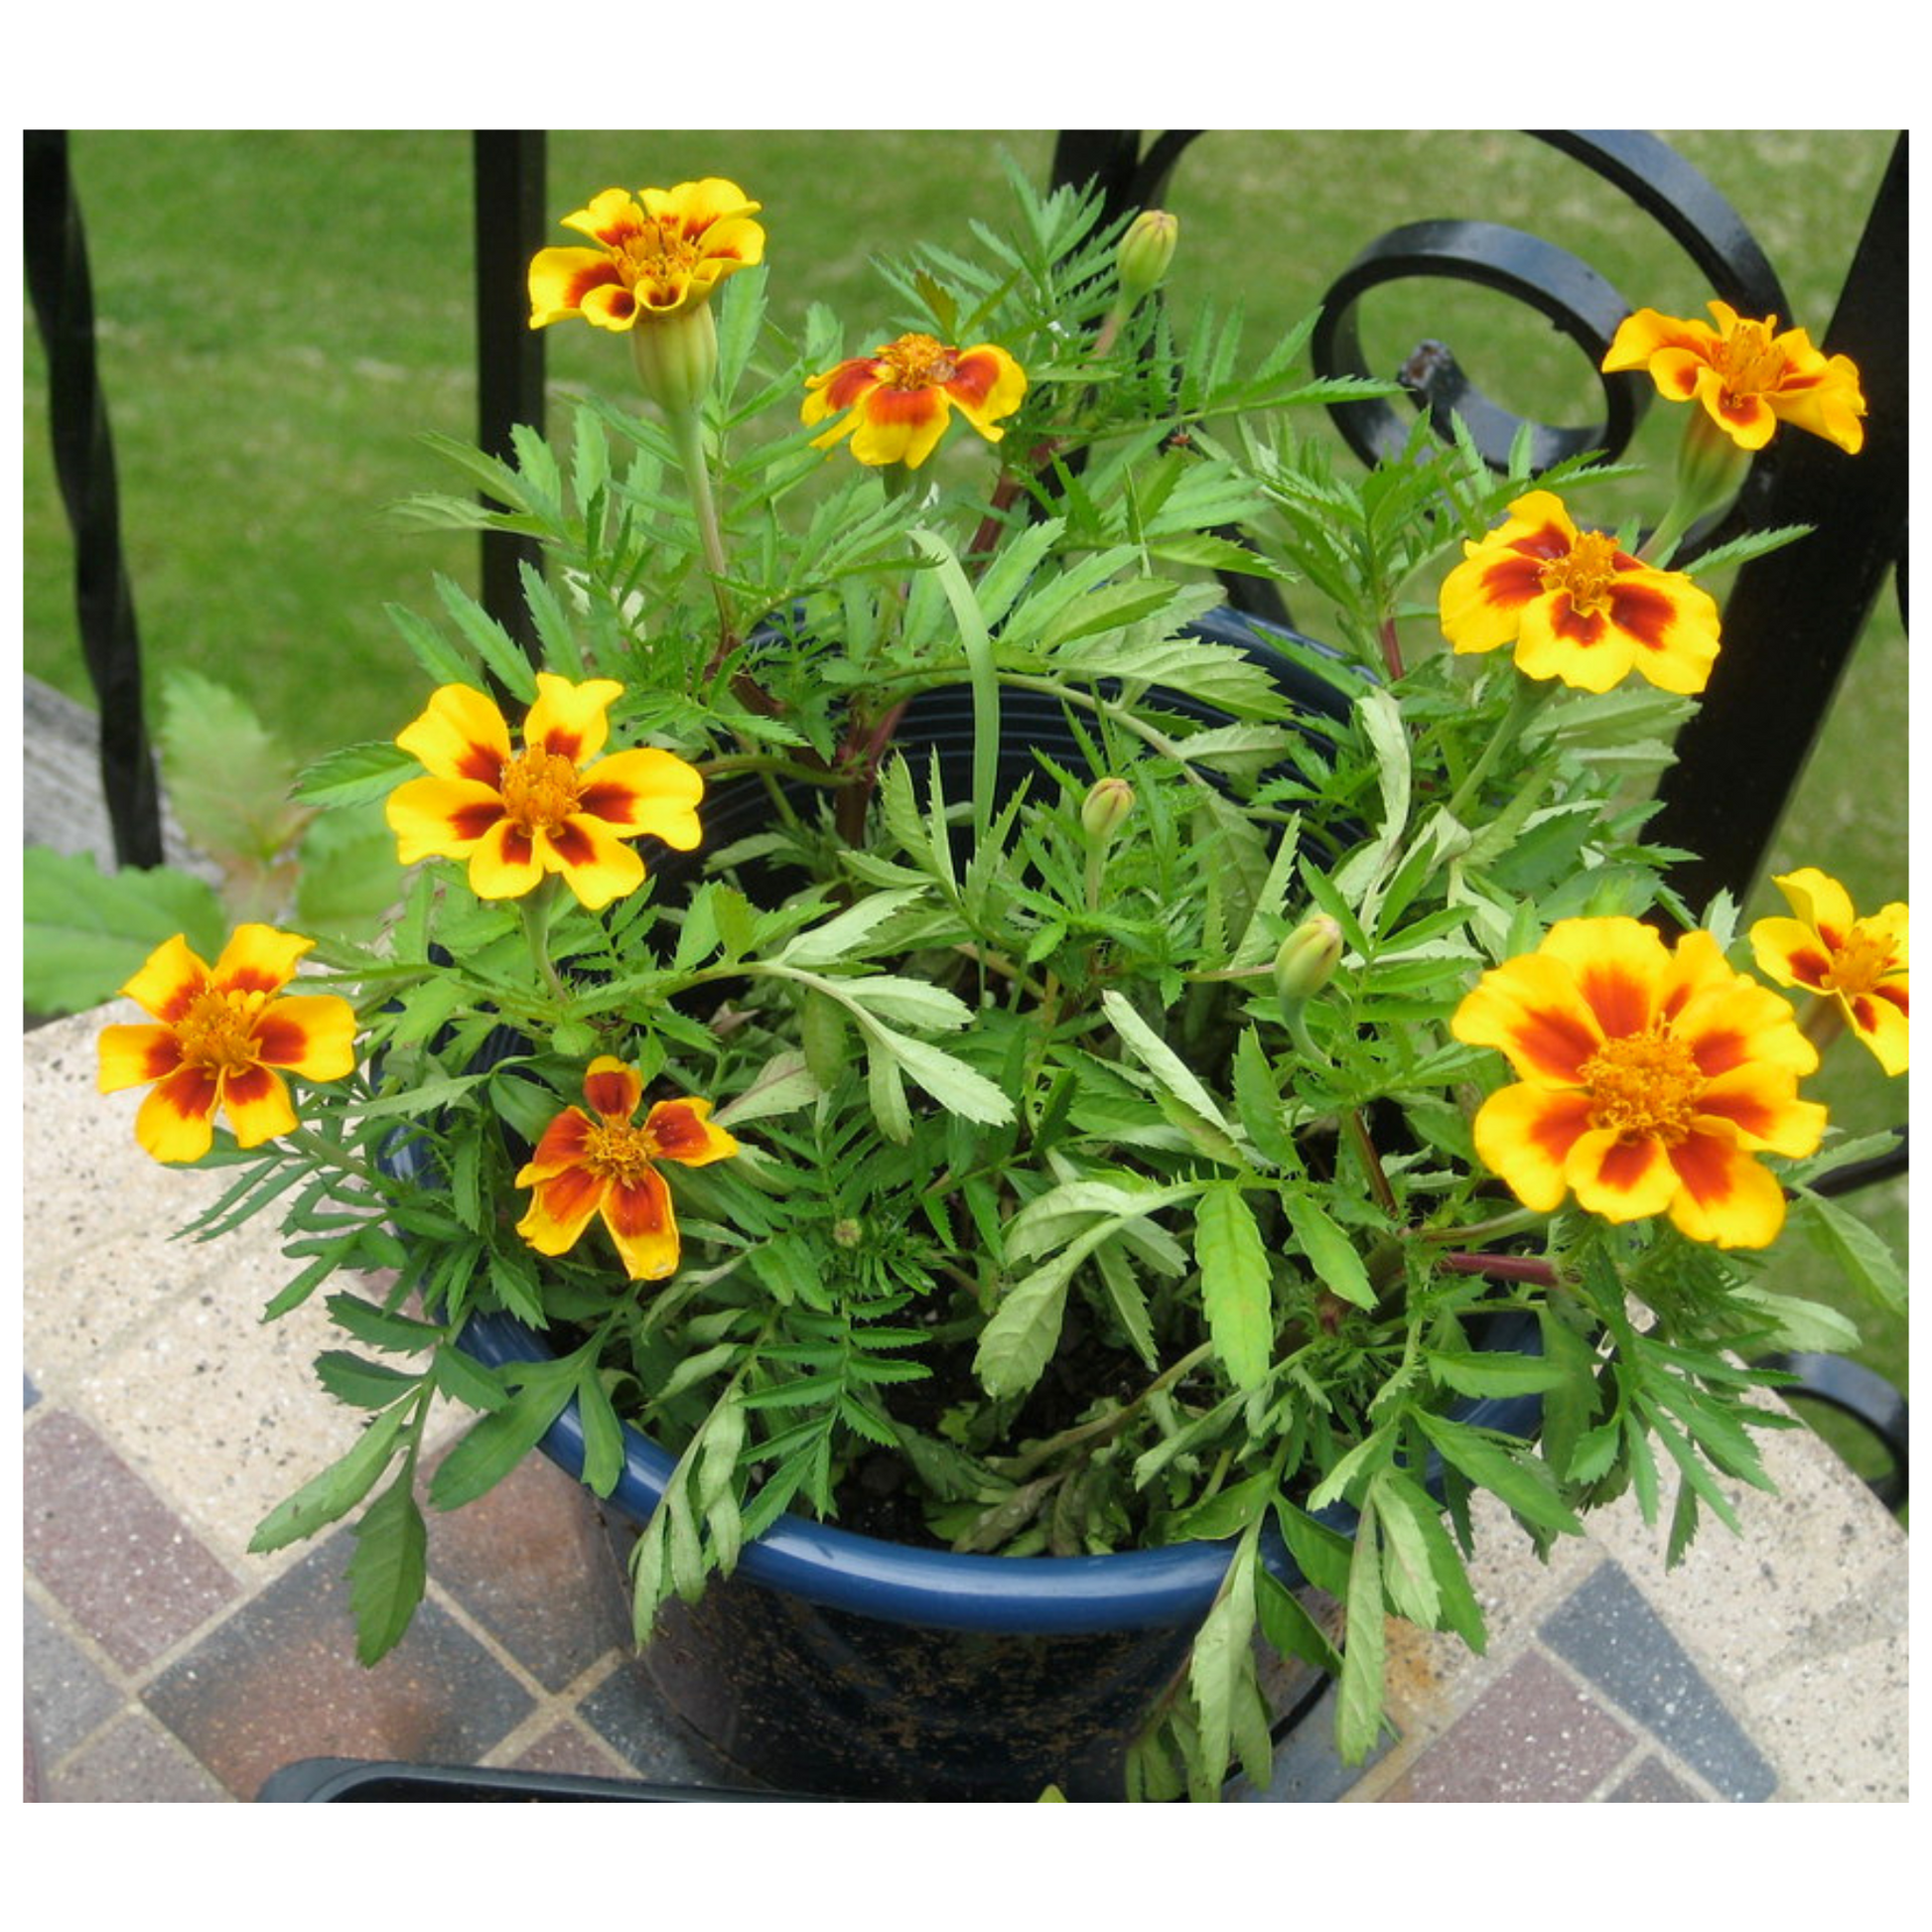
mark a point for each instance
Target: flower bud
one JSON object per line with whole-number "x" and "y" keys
{"x": 1146, "y": 249}
{"x": 676, "y": 356}
{"x": 1307, "y": 961}
{"x": 1106, "y": 806}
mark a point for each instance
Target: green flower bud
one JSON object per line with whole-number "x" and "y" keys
{"x": 676, "y": 357}
{"x": 1146, "y": 249}
{"x": 574, "y": 1040}
{"x": 1306, "y": 962}
{"x": 1106, "y": 806}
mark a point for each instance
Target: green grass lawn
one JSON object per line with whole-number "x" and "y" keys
{"x": 282, "y": 315}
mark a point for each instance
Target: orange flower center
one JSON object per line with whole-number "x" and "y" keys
{"x": 1585, "y": 573}
{"x": 919, "y": 362}
{"x": 618, "y": 1151}
{"x": 217, "y": 1031}
{"x": 1859, "y": 964}
{"x": 1749, "y": 362}
{"x": 1644, "y": 1086}
{"x": 655, "y": 254}
{"x": 539, "y": 790}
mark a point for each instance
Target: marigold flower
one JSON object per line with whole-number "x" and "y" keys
{"x": 220, "y": 1035}
{"x": 898, "y": 402}
{"x": 604, "y": 1167}
{"x": 553, "y": 808}
{"x": 1859, "y": 963}
{"x": 1747, "y": 376}
{"x": 651, "y": 260}
{"x": 1650, "y": 1078}
{"x": 1576, "y": 606}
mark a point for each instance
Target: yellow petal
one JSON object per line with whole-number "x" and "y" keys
{"x": 460, "y": 734}
{"x": 442, "y": 818}
{"x": 257, "y": 1106}
{"x": 1524, "y": 1134}
{"x": 169, "y": 980}
{"x": 568, "y": 719}
{"x": 258, "y": 959}
{"x": 312, "y": 1034}
{"x": 132, "y": 1056}
{"x": 177, "y": 1119}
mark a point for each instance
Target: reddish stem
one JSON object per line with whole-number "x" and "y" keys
{"x": 1503, "y": 1268}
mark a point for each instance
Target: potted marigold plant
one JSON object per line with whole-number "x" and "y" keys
{"x": 977, "y": 1090}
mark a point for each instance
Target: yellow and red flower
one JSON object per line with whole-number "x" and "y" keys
{"x": 1650, "y": 1079}
{"x": 1576, "y": 606}
{"x": 220, "y": 1036}
{"x": 604, "y": 1167}
{"x": 1860, "y": 964}
{"x": 664, "y": 250}
{"x": 553, "y": 808}
{"x": 896, "y": 404}
{"x": 1748, "y": 377}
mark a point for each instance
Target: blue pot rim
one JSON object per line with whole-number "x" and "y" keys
{"x": 895, "y": 1583}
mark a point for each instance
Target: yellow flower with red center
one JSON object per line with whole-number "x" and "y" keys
{"x": 1576, "y": 606}
{"x": 553, "y": 808}
{"x": 1650, "y": 1080}
{"x": 1748, "y": 377}
{"x": 662, "y": 251}
{"x": 1859, "y": 963}
{"x": 895, "y": 404}
{"x": 603, "y": 1164}
{"x": 220, "y": 1036}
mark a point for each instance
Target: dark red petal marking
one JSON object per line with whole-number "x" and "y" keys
{"x": 564, "y": 1138}
{"x": 1894, "y": 992}
{"x": 1511, "y": 580}
{"x": 1551, "y": 1040}
{"x": 482, "y": 763}
{"x": 849, "y": 381}
{"x": 246, "y": 1084}
{"x": 677, "y": 1129}
{"x": 593, "y": 275}
{"x": 279, "y": 1040}
{"x": 614, "y": 803}
{"x": 1809, "y": 968}
{"x": 1573, "y": 625}
{"x": 191, "y": 1092}
{"x": 473, "y": 821}
{"x": 973, "y": 378}
{"x": 640, "y": 1207}
{"x": 1718, "y": 1051}
{"x": 614, "y": 1094}
{"x": 1643, "y": 611}
{"x": 1702, "y": 1163}
{"x": 571, "y": 843}
{"x": 570, "y": 1193}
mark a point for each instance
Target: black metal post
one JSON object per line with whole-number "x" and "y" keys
{"x": 1793, "y": 616}
{"x": 83, "y": 460}
{"x": 510, "y": 223}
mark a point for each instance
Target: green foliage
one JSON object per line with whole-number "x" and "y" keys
{"x": 1045, "y": 1201}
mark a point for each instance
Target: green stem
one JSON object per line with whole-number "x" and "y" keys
{"x": 687, "y": 433}
{"x": 535, "y": 907}
{"x": 1525, "y": 697}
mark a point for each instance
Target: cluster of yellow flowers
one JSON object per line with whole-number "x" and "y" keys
{"x": 1649, "y": 1078}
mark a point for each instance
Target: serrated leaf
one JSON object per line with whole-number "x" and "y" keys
{"x": 494, "y": 1446}
{"x": 228, "y": 779}
{"x": 360, "y": 1383}
{"x": 334, "y": 1492}
{"x": 1857, "y": 1249}
{"x": 380, "y": 1327}
{"x": 1483, "y": 1372}
{"x": 86, "y": 933}
{"x": 1220, "y": 1671}
{"x": 1523, "y": 1482}
{"x": 603, "y": 1432}
{"x": 356, "y": 774}
{"x": 388, "y": 1569}
{"x": 1358, "y": 1697}
{"x": 1237, "y": 1283}
{"x": 1330, "y": 1253}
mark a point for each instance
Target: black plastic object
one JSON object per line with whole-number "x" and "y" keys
{"x": 1866, "y": 1398}
{"x": 358, "y": 1781}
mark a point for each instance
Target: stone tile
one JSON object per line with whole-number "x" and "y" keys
{"x": 530, "y": 1562}
{"x": 65, "y": 1693}
{"x": 1653, "y": 1783}
{"x": 279, "y": 1682}
{"x": 221, "y": 1410}
{"x": 626, "y": 1711}
{"x": 1532, "y": 1737}
{"x": 131, "y": 1573}
{"x": 571, "y": 1750}
{"x": 133, "y": 1762}
{"x": 1609, "y": 1634}
{"x": 1837, "y": 1725}
{"x": 84, "y": 1176}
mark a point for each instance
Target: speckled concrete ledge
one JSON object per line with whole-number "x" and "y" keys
{"x": 165, "y": 1663}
